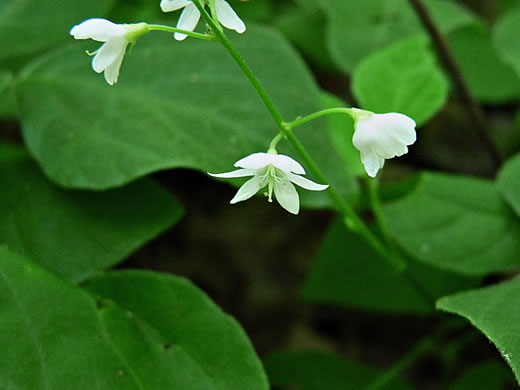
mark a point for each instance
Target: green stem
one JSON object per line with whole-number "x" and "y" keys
{"x": 274, "y": 142}
{"x": 243, "y": 66}
{"x": 160, "y": 27}
{"x": 214, "y": 14}
{"x": 353, "y": 220}
{"x": 317, "y": 114}
{"x": 377, "y": 210}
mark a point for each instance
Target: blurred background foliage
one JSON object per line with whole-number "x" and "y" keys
{"x": 319, "y": 307}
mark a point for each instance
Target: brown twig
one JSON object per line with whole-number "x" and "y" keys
{"x": 474, "y": 109}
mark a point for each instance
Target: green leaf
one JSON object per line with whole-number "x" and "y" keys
{"x": 7, "y": 99}
{"x": 495, "y": 312}
{"x": 76, "y": 233}
{"x": 489, "y": 78}
{"x": 456, "y": 223}
{"x": 294, "y": 24}
{"x": 508, "y": 182}
{"x": 488, "y": 375}
{"x": 401, "y": 78}
{"x": 319, "y": 370}
{"x": 30, "y": 26}
{"x": 58, "y": 337}
{"x": 253, "y": 10}
{"x": 348, "y": 272}
{"x": 177, "y": 104}
{"x": 505, "y": 36}
{"x": 359, "y": 28}
{"x": 184, "y": 315}
{"x": 341, "y": 130}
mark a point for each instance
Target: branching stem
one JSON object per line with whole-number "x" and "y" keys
{"x": 474, "y": 109}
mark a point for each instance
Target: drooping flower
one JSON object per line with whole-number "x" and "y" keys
{"x": 116, "y": 37}
{"x": 190, "y": 15}
{"x": 381, "y": 136}
{"x": 277, "y": 172}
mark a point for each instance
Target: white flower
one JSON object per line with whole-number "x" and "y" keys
{"x": 116, "y": 37}
{"x": 381, "y": 136}
{"x": 190, "y": 15}
{"x": 276, "y": 171}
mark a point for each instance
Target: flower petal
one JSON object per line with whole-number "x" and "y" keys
{"x": 286, "y": 195}
{"x": 388, "y": 135}
{"x": 173, "y": 5}
{"x": 248, "y": 189}
{"x": 228, "y": 17}
{"x": 372, "y": 162}
{"x": 188, "y": 21}
{"x": 108, "y": 53}
{"x": 112, "y": 70}
{"x": 236, "y": 173}
{"x": 100, "y": 30}
{"x": 260, "y": 160}
{"x": 287, "y": 164}
{"x": 254, "y": 161}
{"x": 306, "y": 183}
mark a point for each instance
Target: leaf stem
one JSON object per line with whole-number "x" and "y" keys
{"x": 453, "y": 69}
{"x": 317, "y": 114}
{"x": 160, "y": 27}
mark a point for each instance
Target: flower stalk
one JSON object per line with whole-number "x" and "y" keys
{"x": 352, "y": 220}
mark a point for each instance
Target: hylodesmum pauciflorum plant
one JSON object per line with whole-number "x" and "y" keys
{"x": 377, "y": 136}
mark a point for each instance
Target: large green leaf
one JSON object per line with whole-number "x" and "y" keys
{"x": 319, "y": 370}
{"x": 177, "y": 104}
{"x": 76, "y": 233}
{"x": 348, "y": 272}
{"x": 360, "y": 27}
{"x": 294, "y": 23}
{"x": 186, "y": 317}
{"x": 30, "y": 26}
{"x": 489, "y": 78}
{"x": 495, "y": 311}
{"x": 457, "y": 223}
{"x": 401, "y": 78}
{"x": 506, "y": 40}
{"x": 56, "y": 336}
{"x": 508, "y": 182}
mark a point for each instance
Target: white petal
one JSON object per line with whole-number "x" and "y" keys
{"x": 306, "y": 183}
{"x": 112, "y": 70}
{"x": 173, "y": 5}
{"x": 372, "y": 163}
{"x": 287, "y": 164}
{"x": 286, "y": 195}
{"x": 228, "y": 17}
{"x": 260, "y": 160}
{"x": 254, "y": 161}
{"x": 188, "y": 21}
{"x": 388, "y": 135}
{"x": 237, "y": 173}
{"x": 248, "y": 189}
{"x": 99, "y": 30}
{"x": 108, "y": 53}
